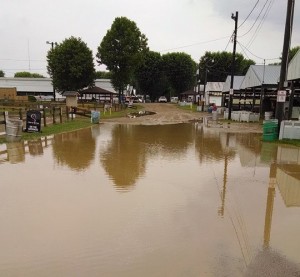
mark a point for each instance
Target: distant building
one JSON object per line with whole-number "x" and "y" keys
{"x": 213, "y": 93}
{"x": 11, "y": 94}
{"x": 42, "y": 86}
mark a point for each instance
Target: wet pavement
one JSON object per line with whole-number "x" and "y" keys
{"x": 155, "y": 200}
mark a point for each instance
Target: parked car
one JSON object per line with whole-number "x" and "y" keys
{"x": 162, "y": 99}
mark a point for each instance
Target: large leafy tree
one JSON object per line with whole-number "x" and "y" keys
{"x": 121, "y": 50}
{"x": 150, "y": 76}
{"x": 2, "y": 74}
{"x": 71, "y": 66}
{"x": 216, "y": 66}
{"x": 180, "y": 70}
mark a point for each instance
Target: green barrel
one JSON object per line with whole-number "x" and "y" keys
{"x": 270, "y": 130}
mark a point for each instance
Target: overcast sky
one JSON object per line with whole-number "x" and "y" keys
{"x": 190, "y": 26}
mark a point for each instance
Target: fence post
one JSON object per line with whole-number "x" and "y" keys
{"x": 20, "y": 114}
{"x": 53, "y": 114}
{"x": 60, "y": 114}
{"x": 45, "y": 118}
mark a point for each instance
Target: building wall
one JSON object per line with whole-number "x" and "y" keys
{"x": 11, "y": 94}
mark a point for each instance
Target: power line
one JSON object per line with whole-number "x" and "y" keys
{"x": 229, "y": 41}
{"x": 260, "y": 24}
{"x": 249, "y": 14}
{"x": 245, "y": 48}
{"x": 255, "y": 19}
{"x": 194, "y": 44}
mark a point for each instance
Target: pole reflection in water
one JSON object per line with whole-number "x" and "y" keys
{"x": 125, "y": 200}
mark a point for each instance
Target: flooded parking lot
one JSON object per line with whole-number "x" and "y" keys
{"x": 163, "y": 200}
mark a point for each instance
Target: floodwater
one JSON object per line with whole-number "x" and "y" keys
{"x": 126, "y": 200}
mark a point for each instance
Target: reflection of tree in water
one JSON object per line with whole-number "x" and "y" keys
{"x": 250, "y": 141}
{"x": 210, "y": 148}
{"x": 125, "y": 158}
{"x": 75, "y": 149}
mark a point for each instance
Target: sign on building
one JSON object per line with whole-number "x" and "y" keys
{"x": 281, "y": 95}
{"x": 33, "y": 121}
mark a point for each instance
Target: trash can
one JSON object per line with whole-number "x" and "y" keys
{"x": 270, "y": 130}
{"x": 95, "y": 117}
{"x": 14, "y": 127}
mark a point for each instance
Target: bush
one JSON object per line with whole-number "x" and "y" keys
{"x": 31, "y": 98}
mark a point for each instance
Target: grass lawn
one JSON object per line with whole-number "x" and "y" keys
{"x": 71, "y": 125}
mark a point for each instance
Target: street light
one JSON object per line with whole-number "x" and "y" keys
{"x": 52, "y": 46}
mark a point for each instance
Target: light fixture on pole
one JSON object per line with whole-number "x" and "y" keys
{"x": 52, "y": 46}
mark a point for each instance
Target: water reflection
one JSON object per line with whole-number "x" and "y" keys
{"x": 74, "y": 149}
{"x": 203, "y": 198}
{"x": 16, "y": 152}
{"x": 125, "y": 158}
{"x": 288, "y": 175}
{"x": 35, "y": 147}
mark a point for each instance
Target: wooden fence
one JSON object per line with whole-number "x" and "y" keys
{"x": 52, "y": 113}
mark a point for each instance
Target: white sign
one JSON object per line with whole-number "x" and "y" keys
{"x": 231, "y": 91}
{"x": 281, "y": 95}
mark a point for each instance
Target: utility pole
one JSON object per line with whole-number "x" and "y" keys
{"x": 284, "y": 61}
{"x": 235, "y": 18}
{"x": 52, "y": 46}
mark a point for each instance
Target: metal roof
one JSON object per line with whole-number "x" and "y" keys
{"x": 214, "y": 86}
{"x": 70, "y": 93}
{"x": 258, "y": 75}
{"x": 28, "y": 84}
{"x": 294, "y": 67}
{"x": 96, "y": 90}
{"x": 43, "y": 85}
{"x": 105, "y": 84}
{"x": 237, "y": 81}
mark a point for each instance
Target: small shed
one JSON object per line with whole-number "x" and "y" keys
{"x": 213, "y": 93}
{"x": 71, "y": 98}
{"x": 97, "y": 94}
{"x": 192, "y": 95}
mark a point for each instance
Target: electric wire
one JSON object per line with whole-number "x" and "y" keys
{"x": 255, "y": 19}
{"x": 194, "y": 44}
{"x": 254, "y": 36}
{"x": 245, "y": 48}
{"x": 249, "y": 14}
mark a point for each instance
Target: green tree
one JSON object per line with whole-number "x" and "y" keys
{"x": 217, "y": 66}
{"x": 180, "y": 70}
{"x": 103, "y": 75}
{"x": 36, "y": 75}
{"x": 2, "y": 74}
{"x": 150, "y": 76}
{"x": 121, "y": 50}
{"x": 25, "y": 74}
{"x": 71, "y": 66}
{"x": 293, "y": 52}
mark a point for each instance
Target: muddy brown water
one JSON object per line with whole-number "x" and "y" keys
{"x": 164, "y": 200}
